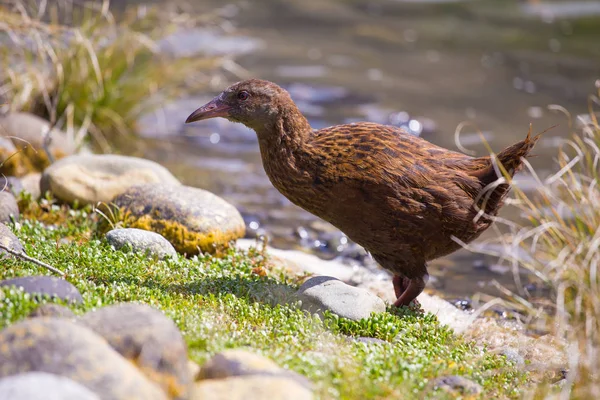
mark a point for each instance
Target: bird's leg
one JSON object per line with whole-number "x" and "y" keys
{"x": 399, "y": 285}
{"x": 414, "y": 288}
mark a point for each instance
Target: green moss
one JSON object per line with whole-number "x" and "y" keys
{"x": 221, "y": 302}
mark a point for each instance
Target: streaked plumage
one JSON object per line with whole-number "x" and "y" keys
{"x": 398, "y": 195}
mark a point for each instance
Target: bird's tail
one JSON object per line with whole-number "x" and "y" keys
{"x": 507, "y": 162}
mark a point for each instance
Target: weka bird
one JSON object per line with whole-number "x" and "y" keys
{"x": 402, "y": 198}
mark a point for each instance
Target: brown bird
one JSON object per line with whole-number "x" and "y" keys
{"x": 402, "y": 198}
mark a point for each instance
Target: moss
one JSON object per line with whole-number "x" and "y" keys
{"x": 222, "y": 302}
{"x": 184, "y": 240}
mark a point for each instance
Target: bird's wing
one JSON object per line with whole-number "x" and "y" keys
{"x": 399, "y": 166}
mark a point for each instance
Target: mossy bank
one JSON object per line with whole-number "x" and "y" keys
{"x": 237, "y": 299}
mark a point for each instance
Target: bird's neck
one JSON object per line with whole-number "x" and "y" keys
{"x": 285, "y": 151}
{"x": 286, "y": 134}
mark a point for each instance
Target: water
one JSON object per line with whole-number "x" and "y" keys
{"x": 427, "y": 67}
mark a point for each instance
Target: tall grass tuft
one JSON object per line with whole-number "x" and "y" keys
{"x": 560, "y": 246}
{"x": 79, "y": 66}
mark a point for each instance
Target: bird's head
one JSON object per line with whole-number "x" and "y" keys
{"x": 255, "y": 103}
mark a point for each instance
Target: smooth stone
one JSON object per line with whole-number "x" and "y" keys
{"x": 239, "y": 362}
{"x": 93, "y": 178}
{"x": 31, "y": 184}
{"x": 51, "y": 286}
{"x": 457, "y": 384}
{"x": 42, "y": 385}
{"x": 30, "y": 130}
{"x": 52, "y": 310}
{"x": 9, "y": 208}
{"x": 255, "y": 387}
{"x": 192, "y": 219}
{"x": 322, "y": 293}
{"x": 141, "y": 241}
{"x": 148, "y": 338}
{"x": 71, "y": 350}
{"x": 9, "y": 240}
{"x": 11, "y": 184}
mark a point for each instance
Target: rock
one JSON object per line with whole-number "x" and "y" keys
{"x": 457, "y": 384}
{"x": 189, "y": 218}
{"x": 51, "y": 286}
{"x": 31, "y": 184}
{"x": 141, "y": 241}
{"x": 238, "y": 362}
{"x": 8, "y": 207}
{"x": 27, "y": 129}
{"x": 68, "y": 349}
{"x": 52, "y": 310}
{"x": 93, "y": 178}
{"x": 149, "y": 339}
{"x": 194, "y": 370}
{"x": 255, "y": 387}
{"x": 322, "y": 293}
{"x": 9, "y": 240}
{"x": 11, "y": 184}
{"x": 513, "y": 356}
{"x": 42, "y": 385}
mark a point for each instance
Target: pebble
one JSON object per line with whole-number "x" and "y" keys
{"x": 255, "y": 387}
{"x": 239, "y": 362}
{"x": 54, "y": 287}
{"x": 52, "y": 310}
{"x": 94, "y": 178}
{"x": 322, "y": 293}
{"x": 9, "y": 240}
{"x": 9, "y": 208}
{"x": 149, "y": 339}
{"x": 457, "y": 385}
{"x": 43, "y": 385}
{"x": 66, "y": 348}
{"x": 141, "y": 241}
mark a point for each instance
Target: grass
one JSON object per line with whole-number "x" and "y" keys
{"x": 87, "y": 71}
{"x": 228, "y": 301}
{"x": 561, "y": 244}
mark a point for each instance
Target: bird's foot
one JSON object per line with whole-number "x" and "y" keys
{"x": 407, "y": 290}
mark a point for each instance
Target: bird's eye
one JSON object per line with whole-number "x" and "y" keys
{"x": 243, "y": 95}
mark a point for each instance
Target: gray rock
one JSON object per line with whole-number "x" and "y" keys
{"x": 71, "y": 350}
{"x": 31, "y": 184}
{"x": 93, "y": 178}
{"x": 42, "y": 385}
{"x": 239, "y": 362}
{"x": 9, "y": 240}
{"x": 141, "y": 241}
{"x": 149, "y": 339}
{"x": 51, "y": 286}
{"x": 323, "y": 293}
{"x": 9, "y": 208}
{"x": 255, "y": 387}
{"x": 30, "y": 130}
{"x": 457, "y": 384}
{"x": 11, "y": 184}
{"x": 52, "y": 310}
{"x": 191, "y": 219}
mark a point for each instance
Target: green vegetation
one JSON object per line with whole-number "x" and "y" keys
{"x": 228, "y": 301}
{"x": 87, "y": 71}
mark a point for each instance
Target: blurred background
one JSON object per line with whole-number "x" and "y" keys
{"x": 456, "y": 73}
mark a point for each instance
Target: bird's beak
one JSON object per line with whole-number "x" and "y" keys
{"x": 212, "y": 109}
